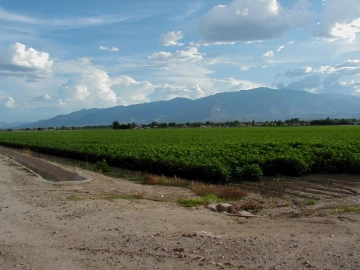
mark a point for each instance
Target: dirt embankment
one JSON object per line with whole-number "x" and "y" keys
{"x": 117, "y": 224}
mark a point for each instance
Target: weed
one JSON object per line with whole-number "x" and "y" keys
{"x": 101, "y": 166}
{"x": 288, "y": 203}
{"x": 310, "y": 201}
{"x": 347, "y": 209}
{"x": 276, "y": 179}
{"x": 115, "y": 197}
{"x": 192, "y": 202}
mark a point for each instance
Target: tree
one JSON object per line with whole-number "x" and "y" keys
{"x": 154, "y": 124}
{"x": 116, "y": 125}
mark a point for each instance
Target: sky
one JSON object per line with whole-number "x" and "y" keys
{"x": 57, "y": 57}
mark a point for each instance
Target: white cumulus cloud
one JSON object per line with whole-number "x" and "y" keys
{"x": 339, "y": 20}
{"x": 91, "y": 87}
{"x": 249, "y": 20}
{"x": 192, "y": 54}
{"x": 280, "y": 48}
{"x": 327, "y": 79}
{"x": 298, "y": 72}
{"x": 112, "y": 49}
{"x": 43, "y": 97}
{"x": 87, "y": 83}
{"x": 131, "y": 91}
{"x": 351, "y": 63}
{"x": 167, "y": 92}
{"x": 325, "y": 69}
{"x": 29, "y": 63}
{"x": 171, "y": 38}
{"x": 232, "y": 84}
{"x": 348, "y": 67}
{"x": 268, "y": 54}
{"x": 81, "y": 92}
{"x": 9, "y": 102}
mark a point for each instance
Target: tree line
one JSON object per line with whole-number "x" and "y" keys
{"x": 236, "y": 123}
{"x": 328, "y": 121}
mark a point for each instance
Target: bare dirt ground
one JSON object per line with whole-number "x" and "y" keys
{"x": 111, "y": 223}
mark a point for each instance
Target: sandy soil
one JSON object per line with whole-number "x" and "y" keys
{"x": 79, "y": 226}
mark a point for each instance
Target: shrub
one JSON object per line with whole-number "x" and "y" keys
{"x": 293, "y": 166}
{"x": 101, "y": 166}
{"x": 270, "y": 169}
{"x": 249, "y": 172}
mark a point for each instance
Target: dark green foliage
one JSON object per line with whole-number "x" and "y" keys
{"x": 249, "y": 172}
{"x": 293, "y": 166}
{"x": 117, "y": 125}
{"x": 210, "y": 154}
{"x": 101, "y": 166}
{"x": 328, "y": 121}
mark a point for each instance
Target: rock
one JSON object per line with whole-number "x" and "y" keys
{"x": 209, "y": 234}
{"x": 308, "y": 264}
{"x": 212, "y": 207}
{"x": 225, "y": 207}
{"x": 245, "y": 214}
{"x": 220, "y": 265}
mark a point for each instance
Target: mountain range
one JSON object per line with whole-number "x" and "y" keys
{"x": 260, "y": 104}
{"x": 14, "y": 124}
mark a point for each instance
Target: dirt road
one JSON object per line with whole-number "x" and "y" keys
{"x": 117, "y": 224}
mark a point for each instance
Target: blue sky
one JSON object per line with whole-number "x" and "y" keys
{"x": 57, "y": 57}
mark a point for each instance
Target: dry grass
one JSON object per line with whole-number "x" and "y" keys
{"x": 199, "y": 188}
{"x": 224, "y": 192}
{"x": 165, "y": 181}
{"x": 27, "y": 151}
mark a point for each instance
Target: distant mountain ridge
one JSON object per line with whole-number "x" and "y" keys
{"x": 12, "y": 125}
{"x": 260, "y": 104}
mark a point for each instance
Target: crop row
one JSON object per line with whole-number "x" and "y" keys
{"x": 213, "y": 155}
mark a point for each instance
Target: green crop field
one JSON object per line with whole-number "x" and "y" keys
{"x": 209, "y": 154}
